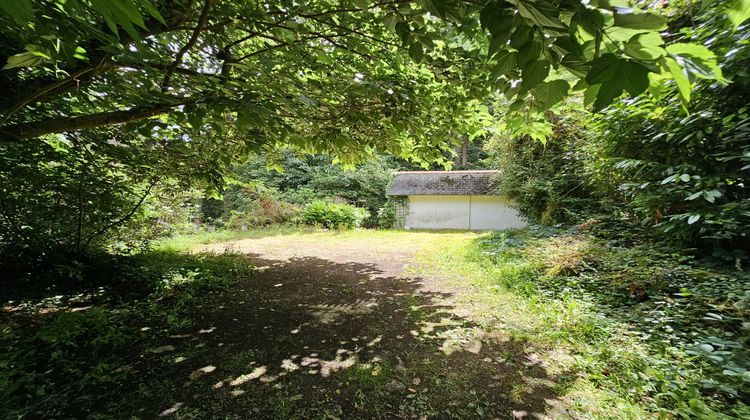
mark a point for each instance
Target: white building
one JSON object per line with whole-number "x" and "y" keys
{"x": 452, "y": 200}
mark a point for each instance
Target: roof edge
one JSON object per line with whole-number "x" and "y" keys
{"x": 470, "y": 171}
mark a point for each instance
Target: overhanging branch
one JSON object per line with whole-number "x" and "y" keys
{"x": 193, "y": 39}
{"x": 35, "y": 129}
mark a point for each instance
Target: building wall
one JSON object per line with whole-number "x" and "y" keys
{"x": 493, "y": 212}
{"x": 438, "y": 212}
{"x": 461, "y": 212}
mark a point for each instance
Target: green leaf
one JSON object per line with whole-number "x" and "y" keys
{"x": 151, "y": 9}
{"x": 33, "y": 56}
{"x": 634, "y": 77}
{"x": 362, "y": 4}
{"x": 682, "y": 82}
{"x": 603, "y": 69}
{"x": 530, "y": 12}
{"x": 738, "y": 12}
{"x": 575, "y": 65}
{"x": 506, "y": 61}
{"x": 534, "y": 74}
{"x": 390, "y": 20}
{"x": 626, "y": 18}
{"x": 21, "y": 11}
{"x": 697, "y": 60}
{"x": 24, "y": 59}
{"x": 530, "y": 52}
{"x": 693, "y": 50}
{"x": 615, "y": 74}
{"x": 516, "y": 105}
{"x": 693, "y": 218}
{"x": 498, "y": 42}
{"x": 128, "y": 12}
{"x": 694, "y": 196}
{"x": 495, "y": 19}
{"x": 550, "y": 93}
{"x": 435, "y": 7}
{"x": 416, "y": 52}
{"x": 521, "y": 36}
{"x": 646, "y": 46}
{"x": 586, "y": 23}
{"x": 403, "y": 31}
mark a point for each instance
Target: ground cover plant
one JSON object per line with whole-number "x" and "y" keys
{"x": 93, "y": 331}
{"x": 657, "y": 331}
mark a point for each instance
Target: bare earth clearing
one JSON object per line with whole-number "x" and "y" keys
{"x": 337, "y": 325}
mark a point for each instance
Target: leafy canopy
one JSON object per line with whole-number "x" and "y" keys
{"x": 344, "y": 77}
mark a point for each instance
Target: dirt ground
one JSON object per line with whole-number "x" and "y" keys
{"x": 336, "y": 328}
{"x": 389, "y": 254}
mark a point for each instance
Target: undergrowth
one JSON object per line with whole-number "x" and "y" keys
{"x": 650, "y": 326}
{"x": 61, "y": 354}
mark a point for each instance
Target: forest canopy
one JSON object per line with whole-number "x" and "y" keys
{"x": 340, "y": 76}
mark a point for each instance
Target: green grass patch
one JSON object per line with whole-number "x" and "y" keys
{"x": 646, "y": 330}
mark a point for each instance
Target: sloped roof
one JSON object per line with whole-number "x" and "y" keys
{"x": 444, "y": 183}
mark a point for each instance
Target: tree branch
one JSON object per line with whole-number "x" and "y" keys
{"x": 360, "y": 33}
{"x": 122, "y": 219}
{"x": 193, "y": 39}
{"x": 35, "y": 129}
{"x": 104, "y": 64}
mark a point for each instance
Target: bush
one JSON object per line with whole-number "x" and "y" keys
{"x": 90, "y": 191}
{"x": 334, "y": 215}
{"x": 254, "y": 205}
{"x": 304, "y": 179}
{"x": 546, "y": 182}
{"x": 387, "y": 216}
{"x": 685, "y": 175}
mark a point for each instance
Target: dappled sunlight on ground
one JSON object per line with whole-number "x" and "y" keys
{"x": 328, "y": 325}
{"x": 312, "y": 337}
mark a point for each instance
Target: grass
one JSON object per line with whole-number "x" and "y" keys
{"x": 187, "y": 242}
{"x": 529, "y": 320}
{"x": 609, "y": 314}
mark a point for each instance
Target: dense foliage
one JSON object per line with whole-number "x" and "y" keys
{"x": 75, "y": 356}
{"x": 547, "y": 181}
{"x": 273, "y": 189}
{"x": 687, "y": 175}
{"x": 90, "y": 190}
{"x": 656, "y": 326}
{"x": 645, "y": 160}
{"x": 334, "y": 215}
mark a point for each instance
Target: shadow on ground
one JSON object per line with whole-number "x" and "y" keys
{"x": 308, "y": 338}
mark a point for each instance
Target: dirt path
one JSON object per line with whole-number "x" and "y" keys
{"x": 330, "y": 327}
{"x": 389, "y": 253}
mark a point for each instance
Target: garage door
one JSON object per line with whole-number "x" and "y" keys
{"x": 493, "y": 212}
{"x": 460, "y": 212}
{"x": 438, "y": 212}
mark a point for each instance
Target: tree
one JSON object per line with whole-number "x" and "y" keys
{"x": 321, "y": 75}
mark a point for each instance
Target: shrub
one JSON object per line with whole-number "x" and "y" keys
{"x": 387, "y": 216}
{"x": 255, "y": 205}
{"x": 334, "y": 215}
{"x": 304, "y": 179}
{"x": 546, "y": 181}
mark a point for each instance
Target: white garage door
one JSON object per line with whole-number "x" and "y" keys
{"x": 461, "y": 212}
{"x": 438, "y": 212}
{"x": 493, "y": 212}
